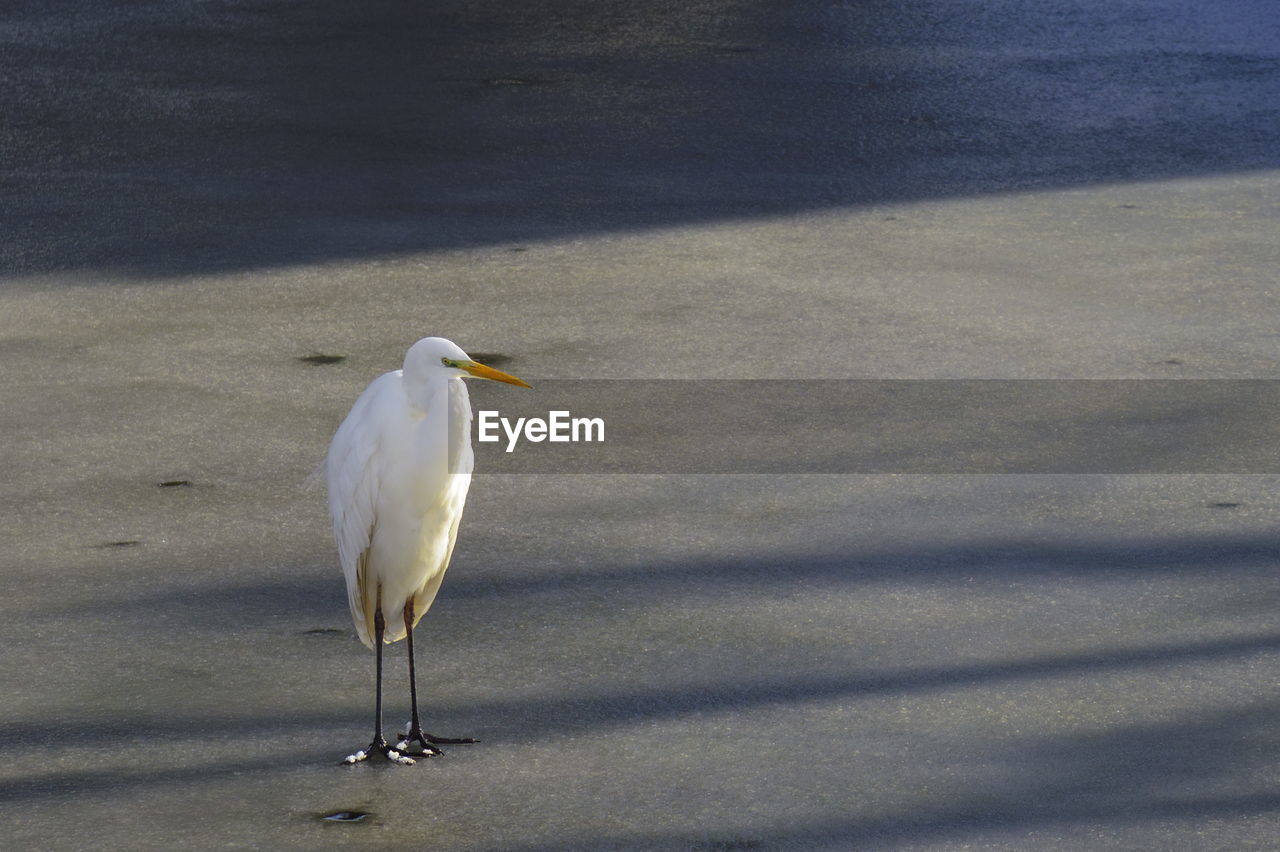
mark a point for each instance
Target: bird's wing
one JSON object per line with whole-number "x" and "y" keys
{"x": 352, "y": 473}
{"x": 455, "y": 498}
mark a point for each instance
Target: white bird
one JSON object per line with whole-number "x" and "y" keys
{"x": 398, "y": 471}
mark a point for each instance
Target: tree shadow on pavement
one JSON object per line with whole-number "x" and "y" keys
{"x": 168, "y": 140}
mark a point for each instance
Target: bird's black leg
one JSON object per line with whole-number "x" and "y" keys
{"x": 413, "y": 732}
{"x": 379, "y": 744}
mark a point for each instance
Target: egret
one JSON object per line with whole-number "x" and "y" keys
{"x": 398, "y": 471}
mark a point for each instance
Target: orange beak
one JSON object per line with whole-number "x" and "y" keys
{"x": 480, "y": 371}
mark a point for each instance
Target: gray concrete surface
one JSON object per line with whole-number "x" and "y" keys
{"x": 197, "y": 196}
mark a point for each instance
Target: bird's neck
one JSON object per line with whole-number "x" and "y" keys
{"x": 426, "y": 394}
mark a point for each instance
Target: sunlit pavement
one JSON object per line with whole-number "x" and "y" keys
{"x": 198, "y": 202}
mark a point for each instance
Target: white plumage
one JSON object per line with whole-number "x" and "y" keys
{"x": 398, "y": 471}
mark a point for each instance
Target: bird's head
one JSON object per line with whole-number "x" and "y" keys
{"x": 433, "y": 357}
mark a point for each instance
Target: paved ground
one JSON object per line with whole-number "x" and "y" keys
{"x": 197, "y": 196}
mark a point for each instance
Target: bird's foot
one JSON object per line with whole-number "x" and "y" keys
{"x": 413, "y": 733}
{"x": 380, "y": 746}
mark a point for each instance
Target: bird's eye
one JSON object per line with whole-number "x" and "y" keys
{"x": 446, "y": 362}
